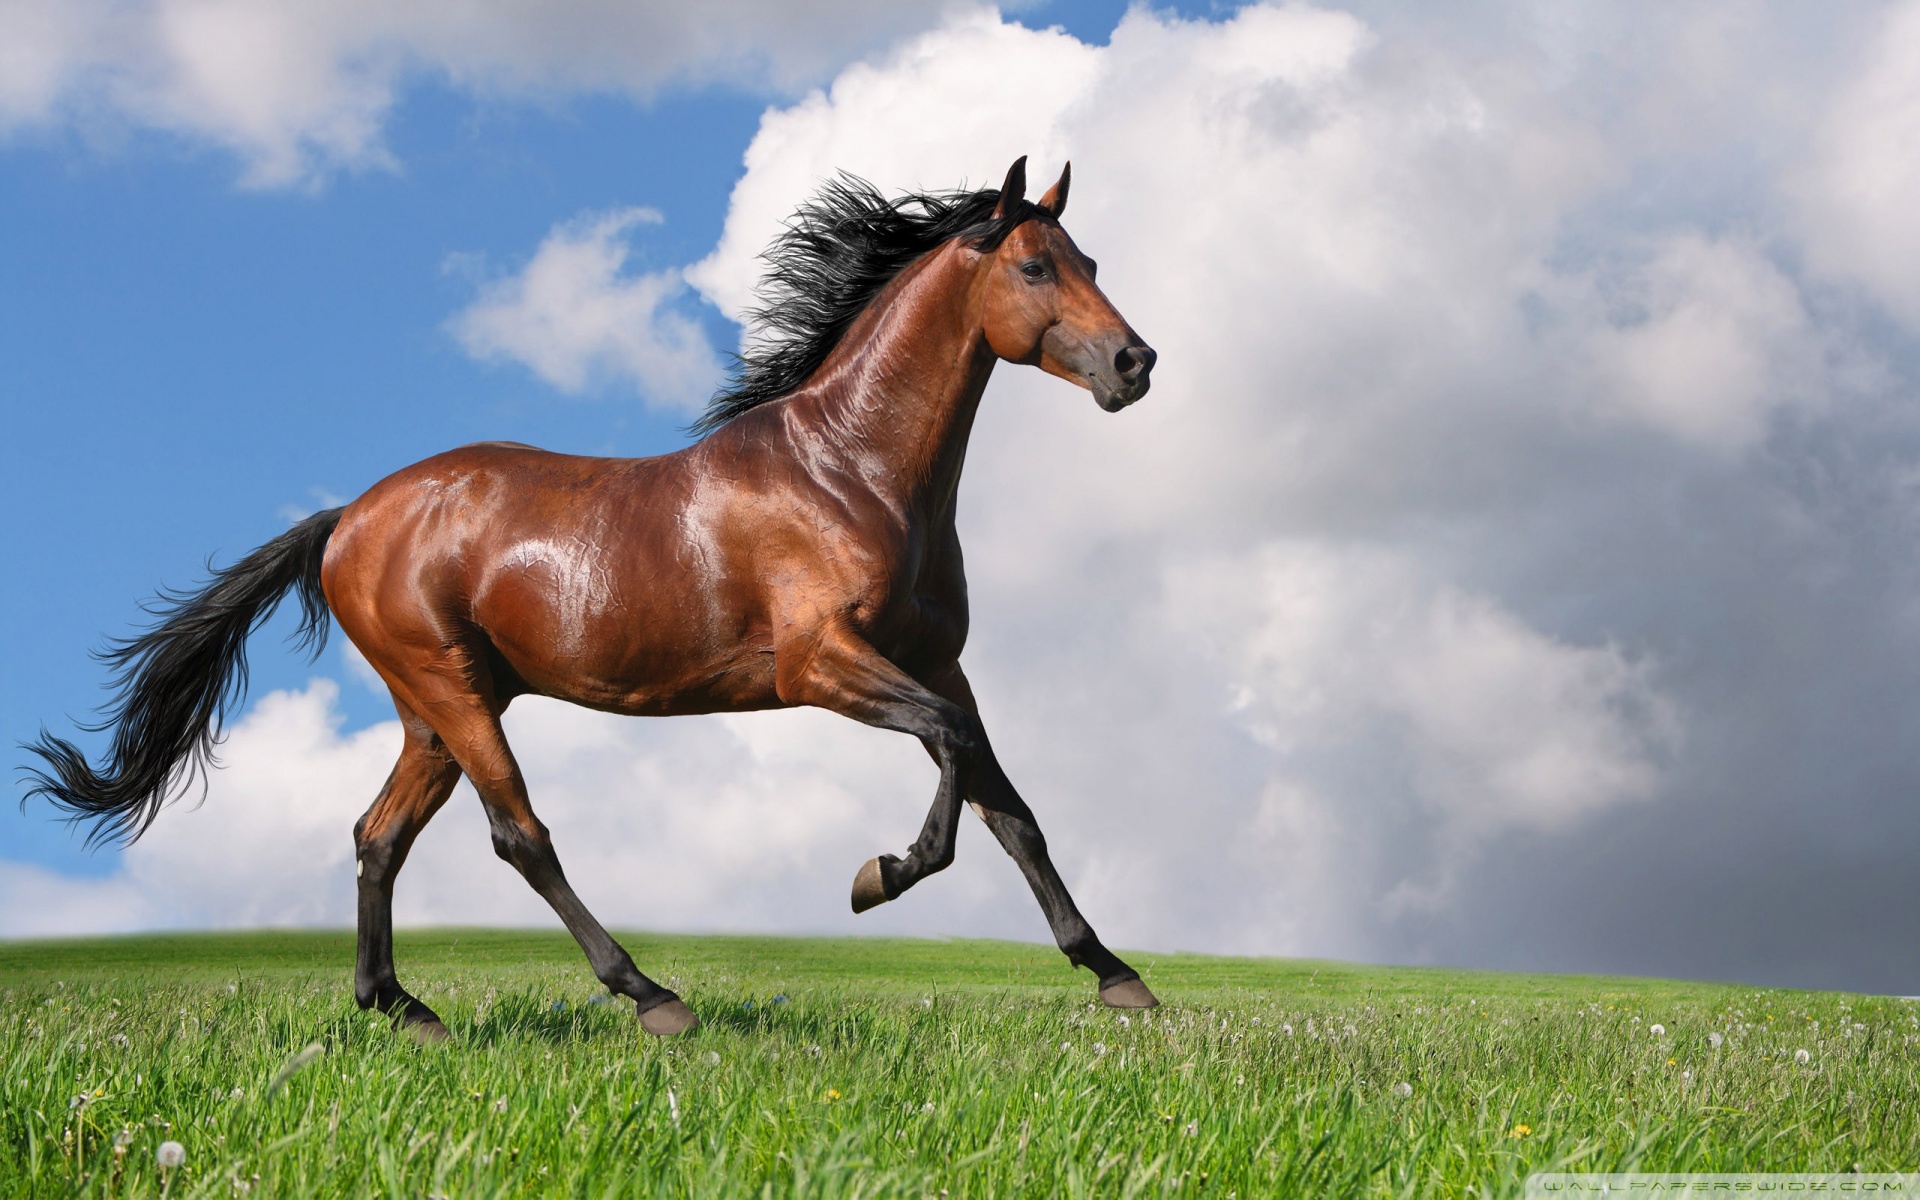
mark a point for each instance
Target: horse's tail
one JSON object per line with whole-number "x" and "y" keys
{"x": 176, "y": 682}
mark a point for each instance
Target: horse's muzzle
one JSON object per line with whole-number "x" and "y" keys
{"x": 1132, "y": 376}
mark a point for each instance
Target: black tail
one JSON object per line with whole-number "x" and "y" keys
{"x": 176, "y": 682}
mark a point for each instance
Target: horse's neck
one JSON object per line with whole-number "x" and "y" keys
{"x": 897, "y": 408}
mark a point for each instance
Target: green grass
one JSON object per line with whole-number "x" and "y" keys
{"x": 910, "y": 1068}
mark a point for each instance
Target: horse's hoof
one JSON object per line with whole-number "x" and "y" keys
{"x": 869, "y": 889}
{"x": 427, "y": 1032}
{"x": 1128, "y": 993}
{"x": 669, "y": 1019}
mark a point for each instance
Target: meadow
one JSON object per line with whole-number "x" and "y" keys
{"x": 874, "y": 1068}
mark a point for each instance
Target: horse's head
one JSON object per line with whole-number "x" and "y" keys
{"x": 1043, "y": 307}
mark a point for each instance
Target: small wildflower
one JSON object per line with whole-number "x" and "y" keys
{"x": 1714, "y": 1040}
{"x": 1802, "y": 1057}
{"x": 170, "y": 1155}
{"x": 1671, "y": 1063}
{"x": 1657, "y": 1030}
{"x": 830, "y": 1095}
{"x": 1403, "y": 1090}
{"x": 1520, "y": 1131}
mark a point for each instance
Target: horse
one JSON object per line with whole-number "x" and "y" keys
{"x": 802, "y": 551}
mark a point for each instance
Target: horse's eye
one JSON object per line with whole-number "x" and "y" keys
{"x": 1034, "y": 270}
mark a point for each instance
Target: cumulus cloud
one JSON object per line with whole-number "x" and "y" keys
{"x": 1858, "y": 186}
{"x": 1509, "y": 566}
{"x": 576, "y": 319}
{"x": 298, "y": 88}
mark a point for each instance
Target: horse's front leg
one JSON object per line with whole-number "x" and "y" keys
{"x": 1013, "y": 823}
{"x": 837, "y": 670}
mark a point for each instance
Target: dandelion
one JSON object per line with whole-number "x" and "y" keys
{"x": 500, "y": 1105}
{"x": 1686, "y": 1077}
{"x": 122, "y": 1040}
{"x": 1193, "y": 1129}
{"x": 830, "y": 1095}
{"x": 1066, "y": 1047}
{"x": 122, "y": 1140}
{"x": 926, "y": 1002}
{"x": 1802, "y": 1057}
{"x": 1099, "y": 1048}
{"x": 237, "y": 1094}
{"x": 170, "y": 1155}
{"x": 713, "y": 1058}
{"x": 926, "y": 1110}
{"x": 1403, "y": 1090}
{"x": 1657, "y": 1030}
{"x": 1287, "y": 1029}
{"x": 1520, "y": 1131}
{"x": 1672, "y": 1063}
{"x": 1125, "y": 1020}
{"x": 1714, "y": 1040}
{"x": 814, "y": 1050}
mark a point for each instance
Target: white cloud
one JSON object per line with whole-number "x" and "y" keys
{"x": 299, "y": 88}
{"x": 577, "y": 320}
{"x": 1857, "y": 191}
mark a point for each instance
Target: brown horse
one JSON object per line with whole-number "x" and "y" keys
{"x": 802, "y": 552}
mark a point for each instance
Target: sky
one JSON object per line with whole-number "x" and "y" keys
{"x": 1513, "y": 566}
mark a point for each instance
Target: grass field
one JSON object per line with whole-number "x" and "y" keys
{"x": 890, "y": 1068}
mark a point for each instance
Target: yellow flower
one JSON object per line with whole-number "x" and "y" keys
{"x": 1520, "y": 1131}
{"x": 831, "y": 1095}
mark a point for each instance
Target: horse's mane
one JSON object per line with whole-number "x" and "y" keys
{"x": 837, "y": 251}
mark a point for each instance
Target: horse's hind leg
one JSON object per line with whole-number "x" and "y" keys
{"x": 420, "y": 783}
{"x": 473, "y": 734}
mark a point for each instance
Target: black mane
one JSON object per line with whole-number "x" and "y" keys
{"x": 836, "y": 252}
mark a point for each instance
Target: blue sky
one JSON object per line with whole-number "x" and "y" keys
{"x": 1513, "y": 565}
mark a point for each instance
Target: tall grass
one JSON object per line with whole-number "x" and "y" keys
{"x": 889, "y": 1068}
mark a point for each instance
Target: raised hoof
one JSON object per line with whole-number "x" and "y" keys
{"x": 426, "y": 1033}
{"x": 1128, "y": 993}
{"x": 669, "y": 1019}
{"x": 869, "y": 889}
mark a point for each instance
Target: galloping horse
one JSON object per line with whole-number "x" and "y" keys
{"x": 802, "y": 552}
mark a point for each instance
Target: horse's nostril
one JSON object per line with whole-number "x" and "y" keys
{"x": 1134, "y": 360}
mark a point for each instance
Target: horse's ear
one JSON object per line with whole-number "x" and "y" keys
{"x": 1055, "y": 201}
{"x": 1013, "y": 191}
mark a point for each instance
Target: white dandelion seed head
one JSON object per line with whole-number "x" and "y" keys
{"x": 1802, "y": 1057}
{"x": 170, "y": 1154}
{"x": 237, "y": 1094}
{"x": 500, "y": 1105}
{"x": 927, "y": 1109}
{"x": 713, "y": 1058}
{"x": 1714, "y": 1040}
{"x": 1657, "y": 1030}
{"x": 926, "y": 1002}
{"x": 1066, "y": 1047}
{"x": 1686, "y": 1077}
{"x": 1099, "y": 1047}
{"x": 1125, "y": 1020}
{"x": 1193, "y": 1129}
{"x": 1403, "y": 1090}
{"x": 1287, "y": 1029}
